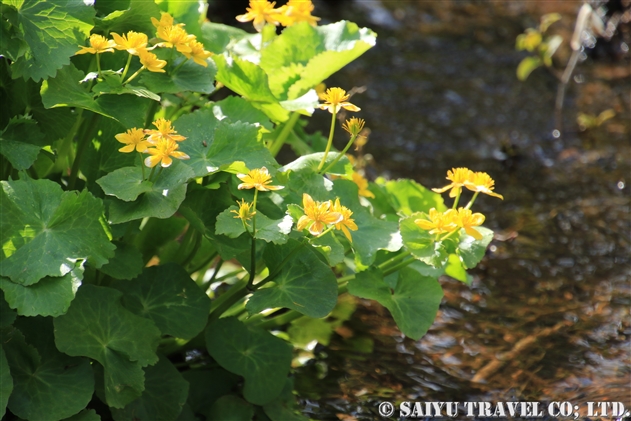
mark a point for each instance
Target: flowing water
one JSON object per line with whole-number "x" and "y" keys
{"x": 547, "y": 315}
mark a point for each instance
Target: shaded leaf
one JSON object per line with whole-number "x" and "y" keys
{"x": 231, "y": 408}
{"x": 257, "y": 355}
{"x": 7, "y": 315}
{"x": 20, "y": 142}
{"x": 125, "y": 183}
{"x": 126, "y": 264}
{"x": 6, "y": 382}
{"x": 238, "y": 109}
{"x": 168, "y": 296}
{"x": 135, "y": 15}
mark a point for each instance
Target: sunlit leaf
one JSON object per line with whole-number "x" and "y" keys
{"x": 471, "y": 251}
{"x": 526, "y": 66}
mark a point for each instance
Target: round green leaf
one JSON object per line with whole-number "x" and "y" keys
{"x": 21, "y": 141}
{"x": 407, "y": 197}
{"x": 257, "y": 355}
{"x": 125, "y": 183}
{"x": 163, "y": 398}
{"x": 168, "y": 296}
{"x": 127, "y": 262}
{"x": 60, "y": 228}
{"x": 231, "y": 408}
{"x": 99, "y": 327}
{"x": 270, "y": 230}
{"x": 303, "y": 283}
{"x": 413, "y": 302}
{"x": 6, "y": 382}
{"x": 7, "y": 316}
{"x": 471, "y": 251}
{"x": 422, "y": 245}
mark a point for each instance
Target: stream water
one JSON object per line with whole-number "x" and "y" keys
{"x": 547, "y": 315}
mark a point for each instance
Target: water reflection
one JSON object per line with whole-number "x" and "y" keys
{"x": 547, "y": 316}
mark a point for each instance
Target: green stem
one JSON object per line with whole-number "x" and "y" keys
{"x": 98, "y": 63}
{"x": 132, "y": 77}
{"x": 151, "y": 173}
{"x": 151, "y": 113}
{"x": 280, "y": 320}
{"x": 86, "y": 137}
{"x": 253, "y": 247}
{"x": 205, "y": 263}
{"x": 217, "y": 269}
{"x": 126, "y": 69}
{"x": 457, "y": 199}
{"x": 142, "y": 166}
{"x": 284, "y": 133}
{"x": 227, "y": 300}
{"x": 158, "y": 174}
{"x": 475, "y": 195}
{"x": 341, "y": 154}
{"x": 329, "y": 229}
{"x": 401, "y": 265}
{"x": 393, "y": 260}
{"x": 197, "y": 241}
{"x": 179, "y": 66}
{"x": 329, "y": 143}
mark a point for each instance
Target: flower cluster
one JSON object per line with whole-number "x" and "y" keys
{"x": 452, "y": 220}
{"x": 320, "y": 214}
{"x": 160, "y": 144}
{"x": 262, "y": 12}
{"x": 136, "y": 44}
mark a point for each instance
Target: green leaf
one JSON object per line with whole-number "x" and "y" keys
{"x": 112, "y": 84}
{"x": 526, "y": 66}
{"x": 47, "y": 383}
{"x": 51, "y": 296}
{"x": 284, "y": 407}
{"x": 214, "y": 144}
{"x": 206, "y": 386}
{"x": 216, "y": 36}
{"x": 189, "y": 12}
{"x": 126, "y": 264}
{"x": 303, "y": 283}
{"x": 238, "y": 109}
{"x": 471, "y": 251}
{"x": 85, "y": 415}
{"x": 407, "y": 197}
{"x": 305, "y": 330}
{"x": 422, "y": 245}
{"x": 21, "y": 141}
{"x": 7, "y": 315}
{"x": 167, "y": 193}
{"x": 257, "y": 355}
{"x": 250, "y": 81}
{"x": 163, "y": 398}
{"x": 136, "y": 17}
{"x": 231, "y": 408}
{"x": 168, "y": 296}
{"x": 61, "y": 228}
{"x": 121, "y": 341}
{"x": 310, "y": 163}
{"x": 6, "y": 382}
{"x": 456, "y": 269}
{"x": 125, "y": 183}
{"x": 53, "y": 25}
{"x": 66, "y": 91}
{"x": 190, "y": 77}
{"x": 413, "y": 302}
{"x": 270, "y": 230}
{"x": 303, "y": 56}
{"x": 330, "y": 246}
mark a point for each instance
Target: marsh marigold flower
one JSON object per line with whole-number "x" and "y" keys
{"x": 176, "y": 37}
{"x": 467, "y": 220}
{"x": 134, "y": 139}
{"x": 151, "y": 62}
{"x": 458, "y": 177}
{"x": 362, "y": 185}
{"x": 259, "y": 179}
{"x": 336, "y": 99}
{"x": 354, "y": 125}
{"x": 197, "y": 53}
{"x": 346, "y": 222}
{"x": 165, "y": 21}
{"x": 317, "y": 215}
{"x": 165, "y": 132}
{"x": 439, "y": 222}
{"x": 245, "y": 211}
{"x": 162, "y": 153}
{"x": 296, "y": 11}
{"x": 483, "y": 183}
{"x": 260, "y": 11}
{"x": 98, "y": 44}
{"x": 134, "y": 42}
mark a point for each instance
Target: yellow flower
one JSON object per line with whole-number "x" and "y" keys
{"x": 529, "y": 40}
{"x": 257, "y": 178}
{"x": 162, "y": 153}
{"x": 165, "y": 21}
{"x": 317, "y": 215}
{"x": 133, "y": 139}
{"x": 260, "y": 11}
{"x": 346, "y": 222}
{"x": 458, "y": 177}
{"x": 134, "y": 42}
{"x": 467, "y": 220}
{"x": 335, "y": 99}
{"x": 164, "y": 132}
{"x": 197, "y": 53}
{"x": 296, "y": 11}
{"x": 245, "y": 210}
{"x": 176, "y": 36}
{"x": 362, "y": 184}
{"x": 98, "y": 44}
{"x": 151, "y": 61}
{"x": 439, "y": 222}
{"x": 483, "y": 183}
{"x": 354, "y": 125}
